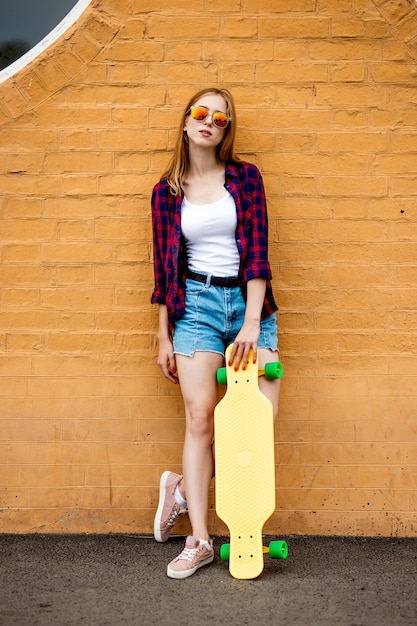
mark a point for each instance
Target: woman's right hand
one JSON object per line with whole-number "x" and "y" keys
{"x": 166, "y": 360}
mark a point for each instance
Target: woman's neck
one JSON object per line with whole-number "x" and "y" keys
{"x": 205, "y": 180}
{"x": 203, "y": 163}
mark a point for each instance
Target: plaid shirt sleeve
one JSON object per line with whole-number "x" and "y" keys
{"x": 160, "y": 242}
{"x": 252, "y": 229}
{"x": 246, "y": 185}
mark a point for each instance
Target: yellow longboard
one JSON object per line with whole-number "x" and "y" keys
{"x": 245, "y": 469}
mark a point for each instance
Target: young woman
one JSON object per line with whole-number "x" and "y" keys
{"x": 212, "y": 284}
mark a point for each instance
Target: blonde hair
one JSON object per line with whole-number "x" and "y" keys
{"x": 178, "y": 166}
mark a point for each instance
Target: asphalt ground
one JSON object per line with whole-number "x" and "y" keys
{"x": 100, "y": 580}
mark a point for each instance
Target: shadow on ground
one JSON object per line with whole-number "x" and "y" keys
{"x": 112, "y": 580}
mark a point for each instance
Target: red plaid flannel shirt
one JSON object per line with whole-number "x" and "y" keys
{"x": 244, "y": 183}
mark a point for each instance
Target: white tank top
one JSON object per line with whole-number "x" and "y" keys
{"x": 209, "y": 232}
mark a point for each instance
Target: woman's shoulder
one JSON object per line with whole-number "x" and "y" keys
{"x": 163, "y": 191}
{"x": 243, "y": 169}
{"x": 161, "y": 185}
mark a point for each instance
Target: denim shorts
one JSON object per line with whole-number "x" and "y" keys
{"x": 213, "y": 318}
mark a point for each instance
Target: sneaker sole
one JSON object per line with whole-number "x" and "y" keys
{"x": 158, "y": 515}
{"x": 189, "y": 572}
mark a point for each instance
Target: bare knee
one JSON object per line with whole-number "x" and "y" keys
{"x": 200, "y": 424}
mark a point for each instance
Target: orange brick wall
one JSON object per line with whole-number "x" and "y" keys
{"x": 327, "y": 100}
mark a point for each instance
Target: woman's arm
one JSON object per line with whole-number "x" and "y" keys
{"x": 166, "y": 357}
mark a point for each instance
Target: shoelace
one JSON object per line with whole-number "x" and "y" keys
{"x": 175, "y": 513}
{"x": 188, "y": 554}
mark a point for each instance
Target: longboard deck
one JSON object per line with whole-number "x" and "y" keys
{"x": 245, "y": 468}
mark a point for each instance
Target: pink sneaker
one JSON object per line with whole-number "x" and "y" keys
{"x": 168, "y": 510}
{"x": 193, "y": 556}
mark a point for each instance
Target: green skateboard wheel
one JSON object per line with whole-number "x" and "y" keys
{"x": 278, "y": 550}
{"x": 225, "y": 551}
{"x": 222, "y": 375}
{"x": 273, "y": 370}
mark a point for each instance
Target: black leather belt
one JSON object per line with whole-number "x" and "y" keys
{"x": 216, "y": 281}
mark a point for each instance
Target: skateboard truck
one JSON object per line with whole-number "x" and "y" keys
{"x": 271, "y": 371}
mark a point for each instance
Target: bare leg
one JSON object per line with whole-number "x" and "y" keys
{"x": 270, "y": 388}
{"x": 197, "y": 376}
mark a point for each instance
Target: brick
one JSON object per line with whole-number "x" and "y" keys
{"x": 347, "y": 27}
{"x": 362, "y": 142}
{"x": 349, "y": 118}
{"x": 95, "y": 73}
{"x": 405, "y": 163}
{"x": 254, "y": 50}
{"x": 406, "y": 28}
{"x": 127, "y": 51}
{"x": 396, "y": 51}
{"x": 241, "y": 27}
{"x": 335, "y": 6}
{"x": 31, "y": 184}
{"x": 294, "y": 28}
{"x": 62, "y": 117}
{"x": 30, "y": 230}
{"x": 18, "y": 139}
{"x": 60, "y": 407}
{"x": 182, "y": 27}
{"x": 13, "y": 276}
{"x": 125, "y": 184}
{"x": 176, "y": 51}
{"x": 393, "y": 12}
{"x": 289, "y": 120}
{"x": 81, "y": 299}
{"x": 353, "y": 276}
{"x": 18, "y": 163}
{"x": 68, "y": 61}
{"x": 352, "y": 230}
{"x": 77, "y": 252}
{"x": 376, "y": 29}
{"x": 354, "y": 186}
{"x": 80, "y": 184}
{"x": 22, "y": 253}
{"x": 127, "y": 72}
{"x": 293, "y": 73}
{"x": 80, "y": 342}
{"x": 393, "y": 73}
{"x": 27, "y": 342}
{"x": 184, "y": 72}
{"x": 79, "y": 207}
{"x": 50, "y": 73}
{"x": 13, "y": 101}
{"x": 18, "y": 298}
{"x": 127, "y": 139}
{"x": 74, "y": 229}
{"x": 133, "y": 28}
{"x": 129, "y": 116}
{"x": 279, "y": 6}
{"x": 299, "y": 185}
{"x": 348, "y": 72}
{"x": 346, "y": 50}
{"x": 78, "y": 161}
{"x": 403, "y": 186}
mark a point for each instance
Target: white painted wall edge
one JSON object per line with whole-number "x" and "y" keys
{"x": 64, "y": 25}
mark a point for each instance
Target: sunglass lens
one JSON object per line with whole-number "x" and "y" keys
{"x": 199, "y": 113}
{"x": 220, "y": 120}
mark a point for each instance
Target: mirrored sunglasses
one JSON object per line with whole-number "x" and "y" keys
{"x": 200, "y": 113}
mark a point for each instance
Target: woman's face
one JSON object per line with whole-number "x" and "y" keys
{"x": 205, "y": 133}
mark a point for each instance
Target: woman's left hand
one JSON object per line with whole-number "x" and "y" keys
{"x": 246, "y": 340}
